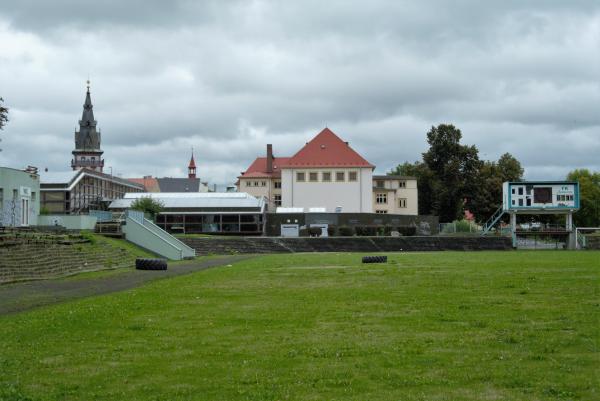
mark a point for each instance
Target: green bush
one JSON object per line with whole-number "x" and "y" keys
{"x": 331, "y": 230}
{"x": 407, "y": 231}
{"x": 346, "y": 231}
{"x": 315, "y": 231}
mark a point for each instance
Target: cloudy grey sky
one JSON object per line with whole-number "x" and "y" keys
{"x": 227, "y": 77}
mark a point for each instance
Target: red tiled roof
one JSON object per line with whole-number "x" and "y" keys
{"x": 258, "y": 168}
{"x": 327, "y": 150}
{"x": 150, "y": 183}
{"x": 192, "y": 163}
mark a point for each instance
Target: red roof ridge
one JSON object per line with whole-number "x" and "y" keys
{"x": 327, "y": 149}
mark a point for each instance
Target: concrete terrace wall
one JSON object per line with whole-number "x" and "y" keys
{"x": 225, "y": 246}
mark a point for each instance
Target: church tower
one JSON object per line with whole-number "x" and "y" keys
{"x": 192, "y": 167}
{"x": 87, "y": 153}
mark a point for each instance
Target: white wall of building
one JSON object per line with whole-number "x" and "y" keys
{"x": 351, "y": 196}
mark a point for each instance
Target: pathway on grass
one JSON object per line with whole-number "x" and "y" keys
{"x": 20, "y": 297}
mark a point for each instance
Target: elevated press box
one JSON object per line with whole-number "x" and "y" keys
{"x": 535, "y": 197}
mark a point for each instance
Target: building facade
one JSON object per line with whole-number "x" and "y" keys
{"x": 393, "y": 194}
{"x": 19, "y": 197}
{"x": 204, "y": 213}
{"x": 328, "y": 175}
{"x": 87, "y": 153}
{"x": 78, "y": 193}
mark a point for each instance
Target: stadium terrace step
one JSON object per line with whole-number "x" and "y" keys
{"x": 226, "y": 246}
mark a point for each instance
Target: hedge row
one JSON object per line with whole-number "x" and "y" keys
{"x": 361, "y": 231}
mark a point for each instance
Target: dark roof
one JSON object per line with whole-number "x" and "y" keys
{"x": 393, "y": 177}
{"x": 179, "y": 184}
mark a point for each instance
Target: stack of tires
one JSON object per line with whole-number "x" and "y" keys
{"x": 374, "y": 259}
{"x": 150, "y": 264}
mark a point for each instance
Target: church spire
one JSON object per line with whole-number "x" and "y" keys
{"x": 87, "y": 153}
{"x": 192, "y": 167}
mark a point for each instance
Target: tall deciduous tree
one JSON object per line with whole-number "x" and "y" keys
{"x": 3, "y": 116}
{"x": 455, "y": 169}
{"x": 589, "y": 192}
{"x": 487, "y": 196}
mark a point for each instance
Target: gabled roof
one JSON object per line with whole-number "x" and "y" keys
{"x": 149, "y": 183}
{"x": 327, "y": 150}
{"x": 179, "y": 184}
{"x": 258, "y": 169}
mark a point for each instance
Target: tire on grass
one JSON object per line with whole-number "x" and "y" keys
{"x": 150, "y": 264}
{"x": 374, "y": 259}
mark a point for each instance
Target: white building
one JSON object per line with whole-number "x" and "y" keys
{"x": 328, "y": 174}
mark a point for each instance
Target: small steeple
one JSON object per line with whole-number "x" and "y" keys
{"x": 192, "y": 167}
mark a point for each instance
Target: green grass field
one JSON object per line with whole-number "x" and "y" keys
{"x": 426, "y": 326}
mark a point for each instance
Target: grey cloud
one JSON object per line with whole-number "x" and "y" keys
{"x": 228, "y": 77}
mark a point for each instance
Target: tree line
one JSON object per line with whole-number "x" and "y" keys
{"x": 452, "y": 179}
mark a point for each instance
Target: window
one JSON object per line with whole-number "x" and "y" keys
{"x": 520, "y": 202}
{"x": 15, "y": 194}
{"x": 300, "y": 177}
{"x": 247, "y": 183}
{"x": 277, "y": 184}
{"x": 263, "y": 183}
{"x": 381, "y": 211}
{"x": 326, "y": 176}
{"x": 313, "y": 177}
{"x": 33, "y": 196}
{"x": 380, "y": 184}
{"x": 402, "y": 203}
{"x": 255, "y": 183}
{"x": 381, "y": 198}
{"x": 401, "y": 184}
{"x": 340, "y": 176}
{"x": 520, "y": 190}
{"x": 277, "y": 200}
{"x": 352, "y": 177}
{"x": 513, "y": 191}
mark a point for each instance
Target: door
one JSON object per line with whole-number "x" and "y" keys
{"x": 24, "y": 212}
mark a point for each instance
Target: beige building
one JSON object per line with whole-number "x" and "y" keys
{"x": 394, "y": 194}
{"x": 263, "y": 179}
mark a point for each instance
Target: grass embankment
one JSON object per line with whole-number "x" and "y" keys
{"x": 426, "y": 326}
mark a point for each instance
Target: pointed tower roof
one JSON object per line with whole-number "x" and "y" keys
{"x": 192, "y": 162}
{"x": 327, "y": 150}
{"x": 87, "y": 117}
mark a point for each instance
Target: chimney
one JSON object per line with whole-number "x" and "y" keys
{"x": 269, "y": 158}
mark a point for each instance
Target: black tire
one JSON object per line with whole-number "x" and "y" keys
{"x": 150, "y": 264}
{"x": 374, "y": 259}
